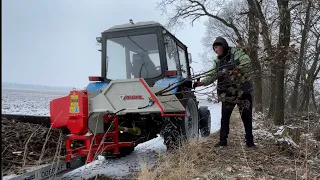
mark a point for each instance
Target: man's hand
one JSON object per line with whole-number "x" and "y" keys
{"x": 197, "y": 84}
{"x": 223, "y": 72}
{"x": 235, "y": 71}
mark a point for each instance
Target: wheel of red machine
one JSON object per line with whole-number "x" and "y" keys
{"x": 176, "y": 130}
{"x": 171, "y": 132}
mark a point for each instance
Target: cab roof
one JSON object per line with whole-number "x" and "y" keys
{"x": 133, "y": 26}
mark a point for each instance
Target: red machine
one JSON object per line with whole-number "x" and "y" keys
{"x": 72, "y": 112}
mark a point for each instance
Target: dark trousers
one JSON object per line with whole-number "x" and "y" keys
{"x": 245, "y": 108}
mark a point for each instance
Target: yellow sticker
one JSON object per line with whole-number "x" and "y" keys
{"x": 74, "y": 109}
{"x": 74, "y": 104}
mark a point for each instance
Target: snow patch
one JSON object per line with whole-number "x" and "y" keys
{"x": 287, "y": 140}
{"x": 280, "y": 130}
{"x": 258, "y": 115}
{"x": 263, "y": 133}
{"x": 147, "y": 152}
{"x": 9, "y": 176}
{"x": 27, "y": 102}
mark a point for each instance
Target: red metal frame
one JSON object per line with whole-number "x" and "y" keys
{"x": 89, "y": 149}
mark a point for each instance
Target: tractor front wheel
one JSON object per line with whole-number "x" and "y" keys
{"x": 205, "y": 121}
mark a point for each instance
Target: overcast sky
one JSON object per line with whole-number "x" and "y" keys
{"x": 54, "y": 42}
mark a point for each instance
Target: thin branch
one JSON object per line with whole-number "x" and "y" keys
{"x": 218, "y": 18}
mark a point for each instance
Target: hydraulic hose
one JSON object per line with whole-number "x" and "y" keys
{"x": 176, "y": 84}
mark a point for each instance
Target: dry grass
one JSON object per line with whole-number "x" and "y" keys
{"x": 176, "y": 165}
{"x": 201, "y": 160}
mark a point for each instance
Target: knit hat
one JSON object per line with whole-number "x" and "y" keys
{"x": 220, "y": 41}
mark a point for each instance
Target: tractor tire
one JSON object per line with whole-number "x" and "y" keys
{"x": 125, "y": 151}
{"x": 176, "y": 130}
{"x": 190, "y": 125}
{"x": 205, "y": 121}
{"x": 171, "y": 132}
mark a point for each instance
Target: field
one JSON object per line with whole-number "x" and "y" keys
{"x": 28, "y": 102}
{"x": 32, "y": 102}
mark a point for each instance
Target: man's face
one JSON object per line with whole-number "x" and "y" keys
{"x": 218, "y": 49}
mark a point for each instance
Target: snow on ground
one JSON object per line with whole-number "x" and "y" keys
{"x": 37, "y": 103}
{"x": 144, "y": 153}
{"x": 27, "y": 102}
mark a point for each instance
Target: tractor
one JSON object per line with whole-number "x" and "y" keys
{"x": 144, "y": 90}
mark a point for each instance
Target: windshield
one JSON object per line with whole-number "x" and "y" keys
{"x": 131, "y": 57}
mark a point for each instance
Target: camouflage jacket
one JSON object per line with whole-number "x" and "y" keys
{"x": 238, "y": 73}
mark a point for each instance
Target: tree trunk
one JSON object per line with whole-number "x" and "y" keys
{"x": 308, "y": 88}
{"x": 253, "y": 43}
{"x": 272, "y": 90}
{"x": 268, "y": 48}
{"x": 312, "y": 74}
{"x": 306, "y": 96}
{"x": 283, "y": 47}
{"x": 314, "y": 100}
{"x": 304, "y": 35}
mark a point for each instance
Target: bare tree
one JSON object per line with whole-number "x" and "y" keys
{"x": 193, "y": 10}
{"x": 253, "y": 48}
{"x": 282, "y": 56}
{"x": 306, "y": 18}
{"x": 304, "y": 38}
{"x": 312, "y": 74}
{"x": 265, "y": 31}
{"x": 237, "y": 12}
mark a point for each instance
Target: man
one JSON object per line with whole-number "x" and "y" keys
{"x": 231, "y": 69}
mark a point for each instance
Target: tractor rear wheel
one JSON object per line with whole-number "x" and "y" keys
{"x": 176, "y": 130}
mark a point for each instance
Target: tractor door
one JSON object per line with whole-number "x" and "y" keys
{"x": 177, "y": 56}
{"x": 177, "y": 60}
